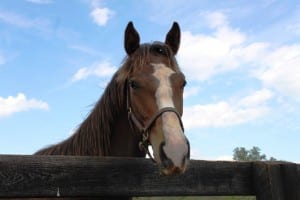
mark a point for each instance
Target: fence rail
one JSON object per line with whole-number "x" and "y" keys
{"x": 70, "y": 176}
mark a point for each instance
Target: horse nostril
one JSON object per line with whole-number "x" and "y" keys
{"x": 166, "y": 162}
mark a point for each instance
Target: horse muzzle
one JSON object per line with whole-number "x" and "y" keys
{"x": 174, "y": 157}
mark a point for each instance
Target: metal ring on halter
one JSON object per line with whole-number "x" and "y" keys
{"x": 144, "y": 145}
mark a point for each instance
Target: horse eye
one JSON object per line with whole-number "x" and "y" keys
{"x": 133, "y": 84}
{"x": 160, "y": 50}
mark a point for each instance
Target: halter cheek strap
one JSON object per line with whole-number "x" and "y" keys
{"x": 144, "y": 130}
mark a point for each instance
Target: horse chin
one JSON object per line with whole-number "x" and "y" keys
{"x": 171, "y": 171}
{"x": 166, "y": 165}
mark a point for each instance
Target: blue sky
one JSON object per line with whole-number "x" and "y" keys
{"x": 241, "y": 60}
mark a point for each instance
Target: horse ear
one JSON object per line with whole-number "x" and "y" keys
{"x": 173, "y": 38}
{"x": 132, "y": 39}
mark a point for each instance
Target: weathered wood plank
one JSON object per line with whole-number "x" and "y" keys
{"x": 44, "y": 176}
{"x": 276, "y": 180}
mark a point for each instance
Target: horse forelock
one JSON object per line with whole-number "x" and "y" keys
{"x": 140, "y": 58}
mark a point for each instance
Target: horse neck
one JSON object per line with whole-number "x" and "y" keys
{"x": 124, "y": 141}
{"x": 108, "y": 138}
{"x": 105, "y": 132}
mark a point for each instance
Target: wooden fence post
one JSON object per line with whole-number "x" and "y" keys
{"x": 276, "y": 181}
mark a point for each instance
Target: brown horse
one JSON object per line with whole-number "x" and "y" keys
{"x": 142, "y": 105}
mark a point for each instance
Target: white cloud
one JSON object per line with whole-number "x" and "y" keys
{"x": 11, "y": 105}
{"x": 216, "y": 19}
{"x": 40, "y": 1}
{"x": 202, "y": 56}
{"x": 191, "y": 91}
{"x": 15, "y": 19}
{"x": 20, "y": 21}
{"x": 100, "y": 14}
{"x": 280, "y": 70}
{"x": 103, "y": 69}
{"x": 258, "y": 98}
{"x": 227, "y": 113}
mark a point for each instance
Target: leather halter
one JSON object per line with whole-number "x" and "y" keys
{"x": 144, "y": 130}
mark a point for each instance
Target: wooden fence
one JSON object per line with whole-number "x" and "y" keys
{"x": 70, "y": 176}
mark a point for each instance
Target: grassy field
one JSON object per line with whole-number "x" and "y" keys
{"x": 197, "y": 198}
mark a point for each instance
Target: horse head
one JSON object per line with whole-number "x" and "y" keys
{"x": 155, "y": 87}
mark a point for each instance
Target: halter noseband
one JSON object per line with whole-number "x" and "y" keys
{"x": 144, "y": 130}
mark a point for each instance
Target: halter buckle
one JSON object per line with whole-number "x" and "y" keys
{"x": 144, "y": 145}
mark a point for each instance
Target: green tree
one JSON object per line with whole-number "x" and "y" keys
{"x": 240, "y": 153}
{"x": 272, "y": 159}
{"x": 254, "y": 154}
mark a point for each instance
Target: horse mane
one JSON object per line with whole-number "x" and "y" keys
{"x": 92, "y": 137}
